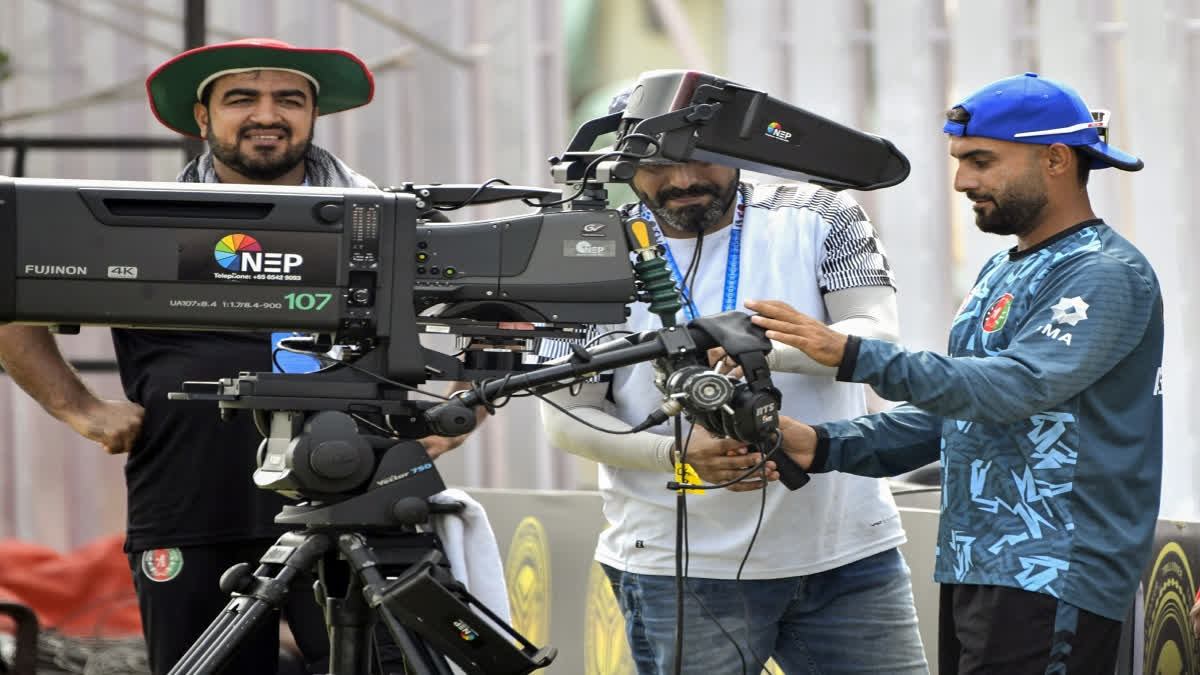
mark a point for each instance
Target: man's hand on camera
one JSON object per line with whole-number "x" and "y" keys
{"x": 718, "y": 460}
{"x": 440, "y": 445}
{"x": 799, "y": 442}
{"x": 784, "y": 324}
{"x": 115, "y": 425}
{"x": 723, "y": 363}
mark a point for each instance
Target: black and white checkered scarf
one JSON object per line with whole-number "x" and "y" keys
{"x": 322, "y": 169}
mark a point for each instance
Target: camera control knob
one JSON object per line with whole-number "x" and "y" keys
{"x": 330, "y": 213}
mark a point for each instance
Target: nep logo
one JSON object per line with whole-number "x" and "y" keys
{"x": 775, "y": 130}
{"x": 464, "y": 630}
{"x": 243, "y": 253}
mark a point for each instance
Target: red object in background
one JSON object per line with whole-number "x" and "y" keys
{"x": 87, "y": 592}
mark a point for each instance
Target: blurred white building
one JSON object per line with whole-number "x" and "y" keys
{"x": 468, "y": 90}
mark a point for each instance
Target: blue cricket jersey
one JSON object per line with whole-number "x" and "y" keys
{"x": 1046, "y": 415}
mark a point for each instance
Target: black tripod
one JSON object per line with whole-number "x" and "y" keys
{"x": 429, "y": 614}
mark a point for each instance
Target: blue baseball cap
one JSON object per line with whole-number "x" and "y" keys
{"x": 1031, "y": 109}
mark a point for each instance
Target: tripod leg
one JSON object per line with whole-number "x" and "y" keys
{"x": 255, "y": 596}
{"x": 419, "y": 658}
{"x": 352, "y": 621}
{"x": 223, "y": 636}
{"x": 349, "y": 633}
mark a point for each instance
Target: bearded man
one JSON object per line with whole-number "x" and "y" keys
{"x": 801, "y": 577}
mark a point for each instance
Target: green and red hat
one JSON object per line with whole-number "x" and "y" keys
{"x": 341, "y": 79}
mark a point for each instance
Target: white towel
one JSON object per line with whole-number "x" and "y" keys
{"x": 470, "y": 546}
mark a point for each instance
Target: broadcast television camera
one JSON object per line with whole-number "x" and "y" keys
{"x": 372, "y": 270}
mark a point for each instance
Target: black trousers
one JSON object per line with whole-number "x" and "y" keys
{"x": 986, "y": 630}
{"x": 179, "y": 596}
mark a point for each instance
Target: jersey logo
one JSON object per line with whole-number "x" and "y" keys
{"x": 1070, "y": 310}
{"x": 1056, "y": 334}
{"x": 997, "y": 314}
{"x": 162, "y": 564}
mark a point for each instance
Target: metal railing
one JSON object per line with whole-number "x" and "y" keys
{"x": 23, "y": 144}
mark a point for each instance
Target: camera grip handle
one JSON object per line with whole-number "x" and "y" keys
{"x": 790, "y": 473}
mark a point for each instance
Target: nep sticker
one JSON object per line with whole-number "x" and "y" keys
{"x": 997, "y": 314}
{"x": 162, "y": 564}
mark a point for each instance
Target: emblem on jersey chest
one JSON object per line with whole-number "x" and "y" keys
{"x": 997, "y": 315}
{"x": 1067, "y": 312}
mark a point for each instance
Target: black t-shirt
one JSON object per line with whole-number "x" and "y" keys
{"x": 189, "y": 474}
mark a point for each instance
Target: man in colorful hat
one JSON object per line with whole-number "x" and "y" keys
{"x": 1047, "y": 412}
{"x": 256, "y": 102}
{"x": 193, "y": 510}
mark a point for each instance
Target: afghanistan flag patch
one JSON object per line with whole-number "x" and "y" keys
{"x": 162, "y": 564}
{"x": 997, "y": 314}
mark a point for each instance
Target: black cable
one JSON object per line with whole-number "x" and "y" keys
{"x": 762, "y": 509}
{"x": 582, "y": 421}
{"x": 680, "y": 523}
{"x": 275, "y": 360}
{"x": 601, "y": 336}
{"x": 754, "y": 469}
{"x": 650, "y": 152}
{"x": 389, "y": 433}
{"x": 685, "y": 284}
{"x": 587, "y": 173}
{"x": 347, "y": 364}
{"x": 577, "y": 386}
{"x": 681, "y": 508}
{"x": 474, "y": 195}
{"x": 321, "y": 356}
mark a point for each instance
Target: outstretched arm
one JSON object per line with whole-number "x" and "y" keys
{"x": 865, "y": 311}
{"x": 884, "y": 444}
{"x": 1046, "y": 370}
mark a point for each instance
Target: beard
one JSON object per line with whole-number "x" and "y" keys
{"x": 1015, "y": 210}
{"x": 691, "y": 218}
{"x": 262, "y": 166}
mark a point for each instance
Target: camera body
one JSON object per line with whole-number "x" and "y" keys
{"x": 358, "y": 265}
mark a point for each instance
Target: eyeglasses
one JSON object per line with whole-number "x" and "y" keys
{"x": 1099, "y": 123}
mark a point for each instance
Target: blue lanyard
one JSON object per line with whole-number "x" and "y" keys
{"x": 733, "y": 264}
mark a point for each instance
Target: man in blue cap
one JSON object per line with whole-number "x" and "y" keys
{"x": 1047, "y": 412}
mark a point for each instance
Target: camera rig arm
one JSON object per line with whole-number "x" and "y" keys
{"x": 747, "y": 411}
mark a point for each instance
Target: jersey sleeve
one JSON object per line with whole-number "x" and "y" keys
{"x": 852, "y": 254}
{"x": 884, "y": 444}
{"x": 1084, "y": 317}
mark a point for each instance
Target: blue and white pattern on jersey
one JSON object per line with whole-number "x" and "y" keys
{"x": 1046, "y": 416}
